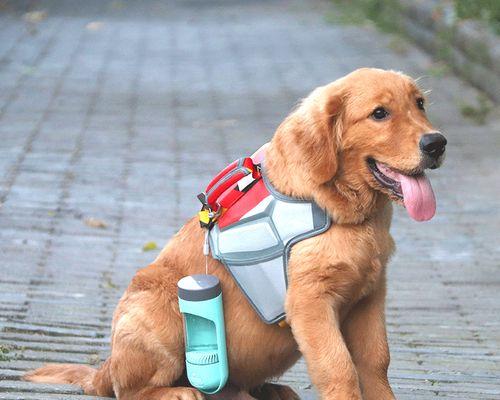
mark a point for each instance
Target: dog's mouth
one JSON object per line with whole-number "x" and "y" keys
{"x": 412, "y": 189}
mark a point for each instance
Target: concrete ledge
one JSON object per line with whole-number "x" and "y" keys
{"x": 468, "y": 46}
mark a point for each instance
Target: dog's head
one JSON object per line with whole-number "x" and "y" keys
{"x": 368, "y": 133}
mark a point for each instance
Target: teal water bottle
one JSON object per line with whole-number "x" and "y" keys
{"x": 200, "y": 302}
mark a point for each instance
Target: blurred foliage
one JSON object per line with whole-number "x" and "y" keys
{"x": 384, "y": 13}
{"x": 485, "y": 10}
{"x": 478, "y": 112}
{"x": 438, "y": 69}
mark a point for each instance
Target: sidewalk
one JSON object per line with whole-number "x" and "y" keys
{"x": 113, "y": 117}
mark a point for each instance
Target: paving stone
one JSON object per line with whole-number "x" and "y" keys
{"x": 126, "y": 123}
{"x": 21, "y": 386}
{"x": 12, "y": 395}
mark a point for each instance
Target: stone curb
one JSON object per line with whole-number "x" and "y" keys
{"x": 468, "y": 46}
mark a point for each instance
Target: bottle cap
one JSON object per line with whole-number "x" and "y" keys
{"x": 199, "y": 287}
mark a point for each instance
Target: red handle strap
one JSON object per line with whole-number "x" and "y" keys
{"x": 227, "y": 178}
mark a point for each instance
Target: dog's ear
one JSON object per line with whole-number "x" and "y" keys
{"x": 313, "y": 132}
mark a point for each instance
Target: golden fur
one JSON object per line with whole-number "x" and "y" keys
{"x": 335, "y": 299}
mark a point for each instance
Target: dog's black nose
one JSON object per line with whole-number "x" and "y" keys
{"x": 433, "y": 144}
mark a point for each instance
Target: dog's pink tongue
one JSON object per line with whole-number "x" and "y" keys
{"x": 418, "y": 196}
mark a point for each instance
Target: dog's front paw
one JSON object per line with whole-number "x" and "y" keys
{"x": 273, "y": 391}
{"x": 231, "y": 393}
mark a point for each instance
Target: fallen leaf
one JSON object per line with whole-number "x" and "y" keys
{"x": 225, "y": 123}
{"x": 94, "y": 359}
{"x": 28, "y": 70}
{"x": 117, "y": 5}
{"x": 149, "y": 246}
{"x": 34, "y": 17}
{"x": 109, "y": 283}
{"x": 94, "y": 26}
{"x": 95, "y": 223}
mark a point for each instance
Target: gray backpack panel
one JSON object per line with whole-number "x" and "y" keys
{"x": 255, "y": 249}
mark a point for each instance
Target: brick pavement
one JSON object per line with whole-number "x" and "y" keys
{"x": 120, "y": 120}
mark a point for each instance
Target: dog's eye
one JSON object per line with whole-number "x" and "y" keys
{"x": 421, "y": 104}
{"x": 380, "y": 113}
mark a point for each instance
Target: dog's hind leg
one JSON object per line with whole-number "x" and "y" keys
{"x": 139, "y": 374}
{"x": 147, "y": 362}
{"x": 163, "y": 393}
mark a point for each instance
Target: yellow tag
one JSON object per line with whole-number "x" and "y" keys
{"x": 204, "y": 216}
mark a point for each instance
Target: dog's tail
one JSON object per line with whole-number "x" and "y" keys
{"x": 95, "y": 382}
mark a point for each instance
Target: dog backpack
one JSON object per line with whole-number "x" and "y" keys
{"x": 252, "y": 228}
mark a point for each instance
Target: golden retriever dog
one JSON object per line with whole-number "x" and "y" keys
{"x": 354, "y": 146}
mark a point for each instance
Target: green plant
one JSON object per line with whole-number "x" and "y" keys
{"x": 438, "y": 70}
{"x": 486, "y": 10}
{"x": 4, "y": 353}
{"x": 345, "y": 15}
{"x": 477, "y": 113}
{"x": 398, "y": 45}
{"x": 384, "y": 13}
